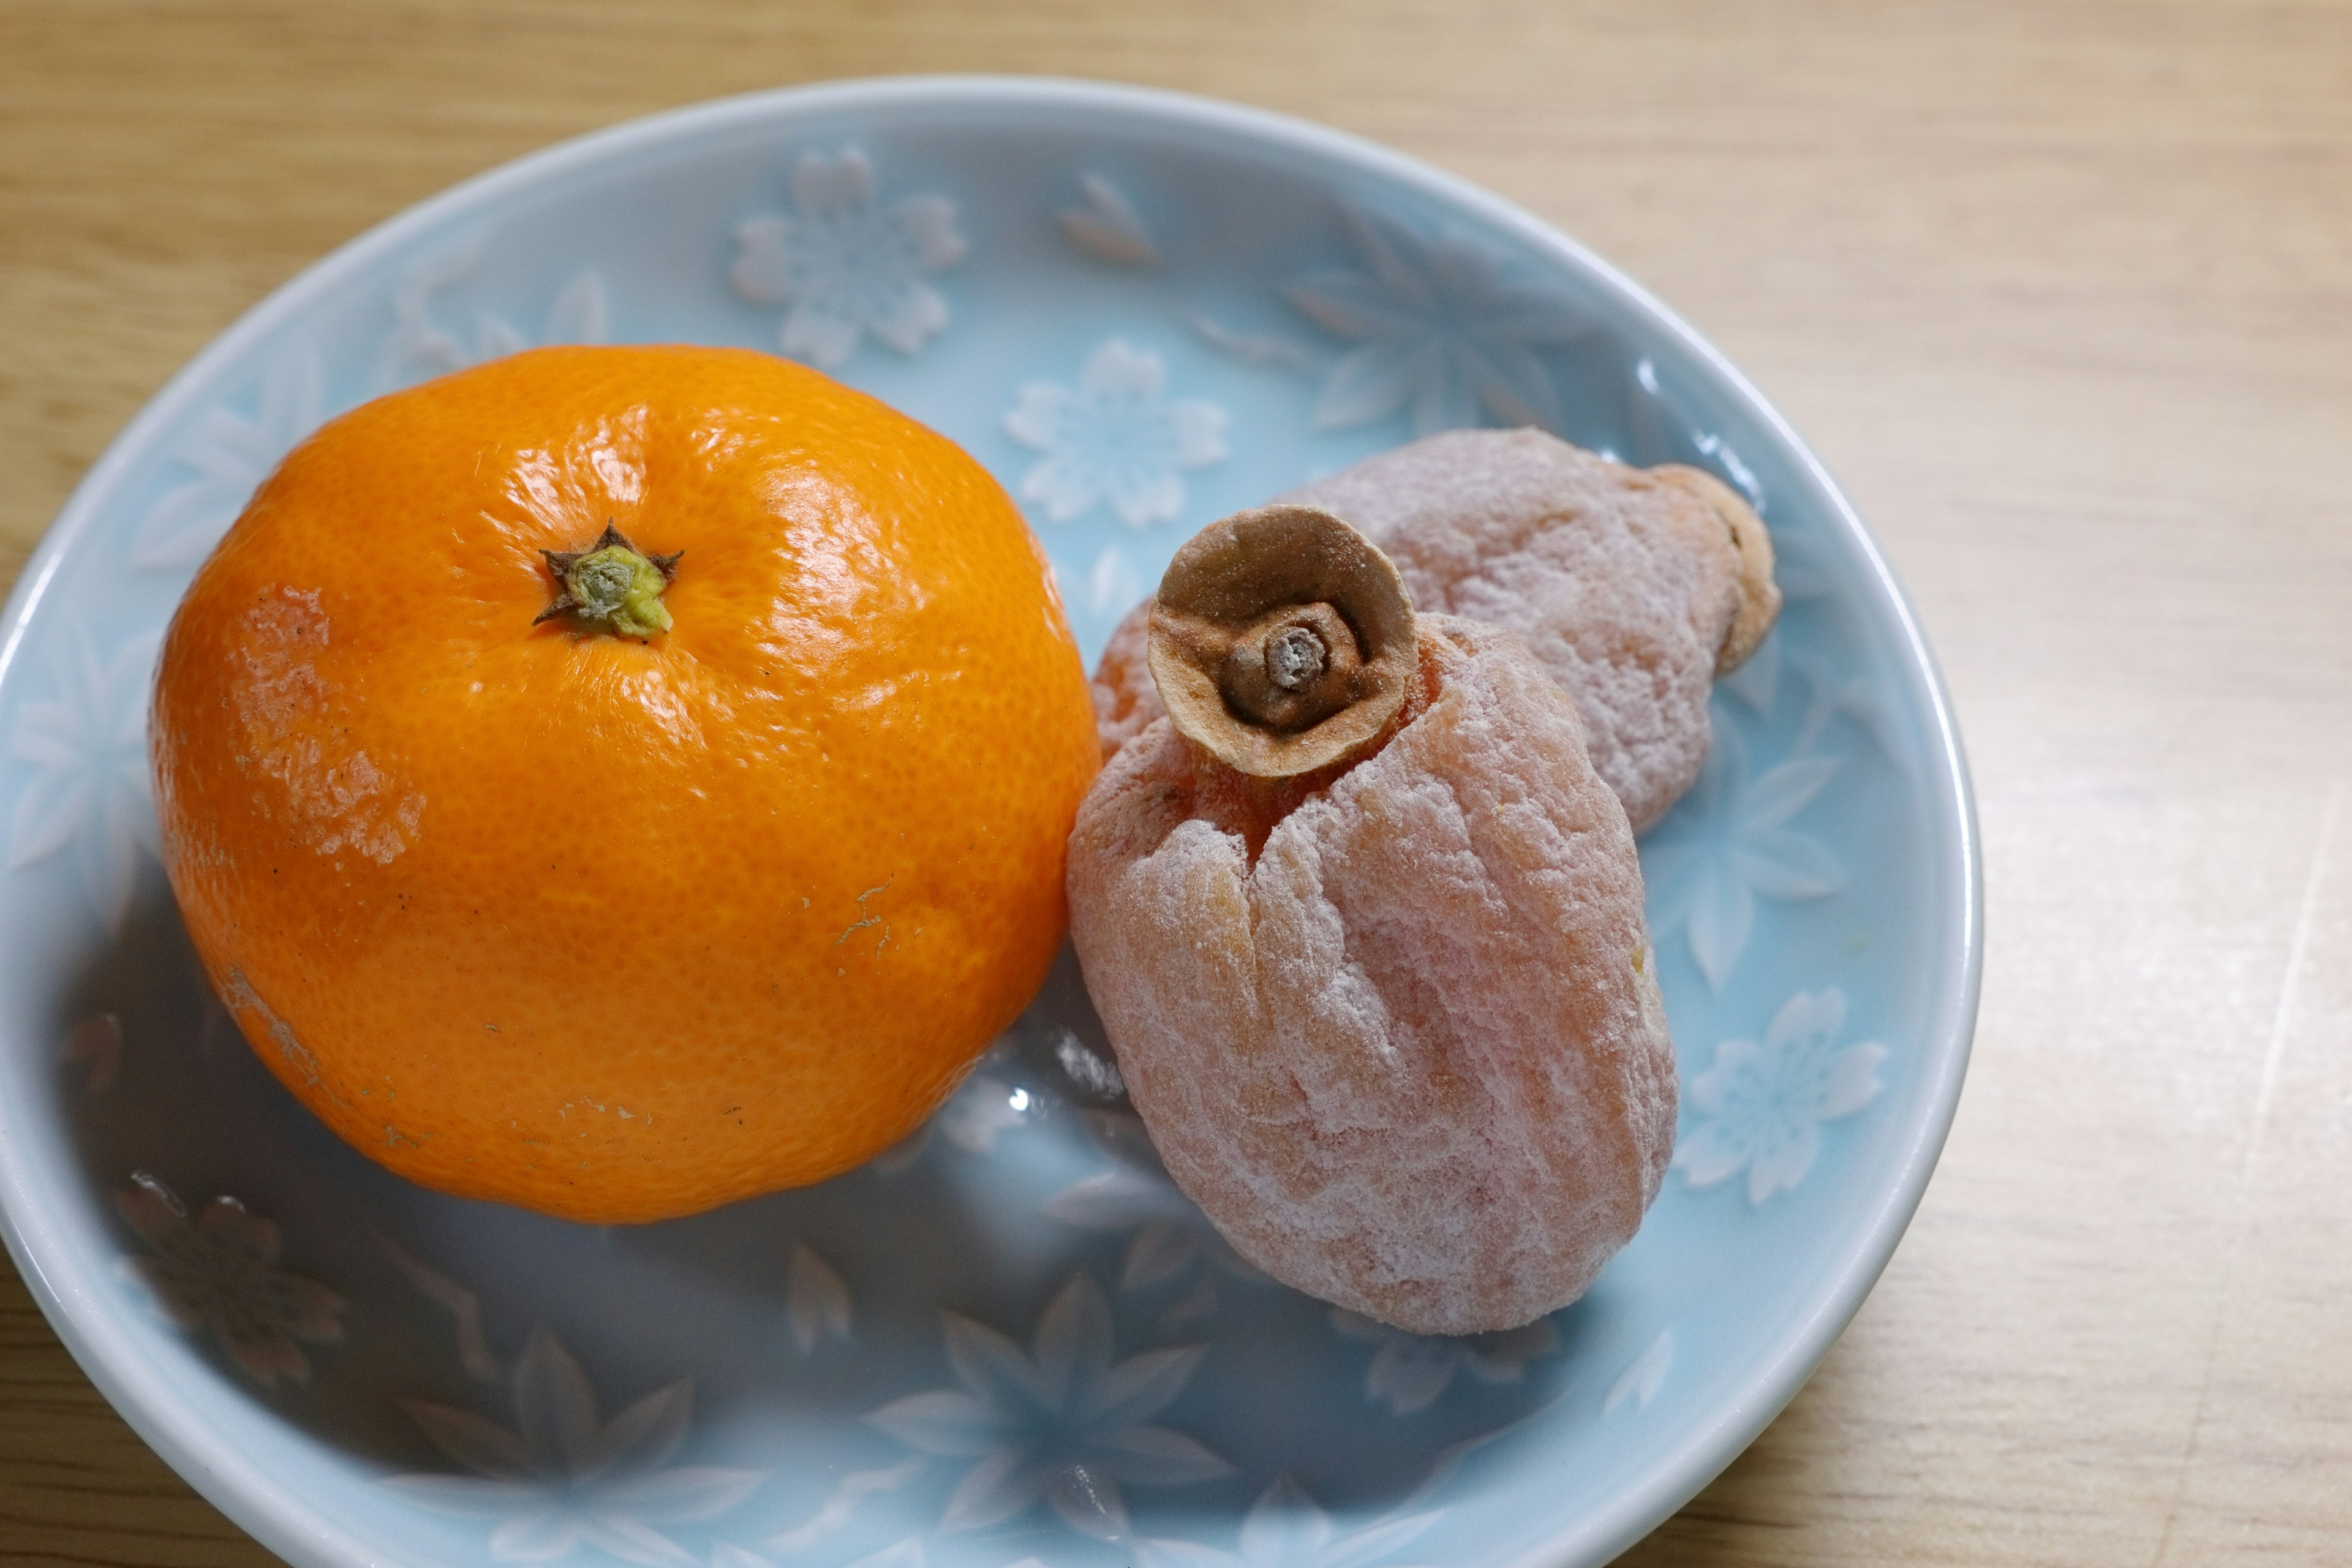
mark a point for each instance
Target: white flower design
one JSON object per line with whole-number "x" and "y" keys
{"x": 1409, "y": 1372}
{"x": 1115, "y": 437}
{"x": 231, "y": 455}
{"x": 1113, "y": 584}
{"x": 1727, "y": 841}
{"x": 1664, "y": 430}
{"x": 853, "y": 1489}
{"x": 845, "y": 267}
{"x": 87, "y": 746}
{"x": 1107, "y": 226}
{"x": 1169, "y": 1234}
{"x": 1444, "y": 332}
{"x": 562, "y": 1480}
{"x": 1257, "y": 348}
{"x": 1286, "y": 1529}
{"x": 1860, "y": 697}
{"x": 219, "y": 1272}
{"x": 1764, "y": 1103}
{"x": 465, "y": 1309}
{"x": 816, "y": 1302}
{"x": 578, "y": 314}
{"x": 1063, "y": 1423}
{"x": 1644, "y": 1375}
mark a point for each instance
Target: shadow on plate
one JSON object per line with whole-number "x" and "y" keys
{"x": 1023, "y": 1257}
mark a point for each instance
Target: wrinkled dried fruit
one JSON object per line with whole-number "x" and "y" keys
{"x": 1126, "y": 702}
{"x": 1636, "y": 587}
{"x": 1393, "y": 1026}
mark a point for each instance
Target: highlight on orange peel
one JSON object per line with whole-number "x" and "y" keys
{"x": 620, "y": 781}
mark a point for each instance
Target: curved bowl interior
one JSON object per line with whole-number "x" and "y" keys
{"x": 362, "y": 1372}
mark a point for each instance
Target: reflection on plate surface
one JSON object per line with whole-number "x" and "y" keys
{"x": 1010, "y": 1340}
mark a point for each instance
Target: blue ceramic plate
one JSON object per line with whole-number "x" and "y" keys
{"x": 1010, "y": 1342}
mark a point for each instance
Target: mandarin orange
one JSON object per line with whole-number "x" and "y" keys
{"x": 621, "y": 875}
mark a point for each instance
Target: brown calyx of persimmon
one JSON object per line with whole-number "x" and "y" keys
{"x": 1281, "y": 642}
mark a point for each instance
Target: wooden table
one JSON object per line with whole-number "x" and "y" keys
{"x": 2064, "y": 292}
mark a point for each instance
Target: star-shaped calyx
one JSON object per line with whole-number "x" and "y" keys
{"x": 612, "y": 586}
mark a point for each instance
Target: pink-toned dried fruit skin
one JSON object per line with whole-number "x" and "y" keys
{"x": 1414, "y": 1060}
{"x": 1623, "y": 581}
{"x": 1127, "y": 700}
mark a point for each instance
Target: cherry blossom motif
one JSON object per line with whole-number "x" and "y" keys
{"x": 853, "y": 1489}
{"x": 578, "y": 314}
{"x": 465, "y": 1309}
{"x": 1856, "y": 695}
{"x": 1445, "y": 333}
{"x": 1116, "y": 438}
{"x": 1725, "y": 842}
{"x": 230, "y": 455}
{"x": 1665, "y": 431}
{"x": 219, "y": 1272}
{"x": 1286, "y": 1529}
{"x": 1064, "y": 1422}
{"x": 1831, "y": 691}
{"x": 1257, "y": 348}
{"x": 1107, "y": 226}
{"x": 1113, "y": 586}
{"x": 1764, "y": 1104}
{"x": 88, "y": 789}
{"x": 1644, "y": 1375}
{"x": 845, "y": 268}
{"x": 816, "y": 1302}
{"x": 560, "y": 1479}
{"x": 1168, "y": 1234}
{"x": 1410, "y": 1372}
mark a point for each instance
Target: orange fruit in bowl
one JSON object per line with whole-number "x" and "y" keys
{"x": 622, "y": 874}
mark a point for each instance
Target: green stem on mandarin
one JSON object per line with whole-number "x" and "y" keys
{"x": 611, "y": 586}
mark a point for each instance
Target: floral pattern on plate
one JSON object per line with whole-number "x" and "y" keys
{"x": 1411, "y": 1373}
{"x": 1644, "y": 1375}
{"x": 218, "y": 1271}
{"x": 1764, "y": 1103}
{"x": 560, "y": 1479}
{"x": 1107, "y": 226}
{"x": 1730, "y": 841}
{"x": 1445, "y": 332}
{"x": 846, "y": 269}
{"x": 1116, "y": 438}
{"x": 421, "y": 345}
{"x": 1167, "y": 1235}
{"x": 1062, "y": 1423}
{"x": 89, "y": 790}
{"x": 1286, "y": 1529}
{"x": 230, "y": 454}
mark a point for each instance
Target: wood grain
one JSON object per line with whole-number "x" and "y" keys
{"x": 2063, "y": 291}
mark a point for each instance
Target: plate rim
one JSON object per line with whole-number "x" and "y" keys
{"x": 294, "y": 1528}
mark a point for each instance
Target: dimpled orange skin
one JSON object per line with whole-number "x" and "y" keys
{"x": 613, "y": 929}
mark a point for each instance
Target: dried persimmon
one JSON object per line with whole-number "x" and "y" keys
{"x": 1392, "y": 1020}
{"x": 1636, "y": 587}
